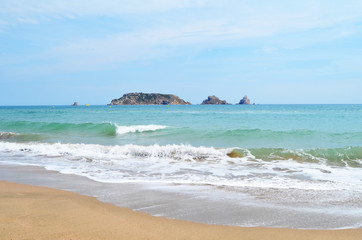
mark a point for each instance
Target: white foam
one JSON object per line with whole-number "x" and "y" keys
{"x": 179, "y": 164}
{"x": 138, "y": 128}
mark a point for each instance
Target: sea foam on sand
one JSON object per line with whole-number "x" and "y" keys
{"x": 29, "y": 213}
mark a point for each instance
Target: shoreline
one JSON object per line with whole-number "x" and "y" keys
{"x": 202, "y": 204}
{"x": 44, "y": 213}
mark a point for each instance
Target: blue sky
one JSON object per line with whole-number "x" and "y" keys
{"x": 58, "y": 52}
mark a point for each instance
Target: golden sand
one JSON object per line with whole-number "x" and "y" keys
{"x": 28, "y": 212}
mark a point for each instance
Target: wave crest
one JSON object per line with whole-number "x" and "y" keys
{"x": 138, "y": 128}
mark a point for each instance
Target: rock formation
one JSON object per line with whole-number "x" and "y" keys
{"x": 75, "y": 104}
{"x": 148, "y": 99}
{"x": 213, "y": 100}
{"x": 245, "y": 100}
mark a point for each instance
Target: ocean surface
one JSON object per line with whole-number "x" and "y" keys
{"x": 313, "y": 148}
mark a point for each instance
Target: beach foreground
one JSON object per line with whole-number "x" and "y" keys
{"x": 29, "y": 212}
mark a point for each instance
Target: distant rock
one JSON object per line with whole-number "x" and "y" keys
{"x": 213, "y": 100}
{"x": 75, "y": 104}
{"x": 148, "y": 99}
{"x": 245, "y": 100}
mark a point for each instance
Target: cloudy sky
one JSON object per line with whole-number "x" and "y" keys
{"x": 58, "y": 52}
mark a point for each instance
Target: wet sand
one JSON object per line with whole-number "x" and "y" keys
{"x": 30, "y": 212}
{"x": 204, "y": 204}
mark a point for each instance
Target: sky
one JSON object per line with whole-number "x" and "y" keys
{"x": 56, "y": 52}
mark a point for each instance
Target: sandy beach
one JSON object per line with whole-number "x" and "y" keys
{"x": 30, "y": 212}
{"x": 170, "y": 120}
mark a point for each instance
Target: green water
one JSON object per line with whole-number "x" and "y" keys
{"x": 261, "y": 126}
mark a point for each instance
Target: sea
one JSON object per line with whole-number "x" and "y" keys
{"x": 291, "y": 155}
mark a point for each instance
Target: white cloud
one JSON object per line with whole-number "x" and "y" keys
{"x": 148, "y": 44}
{"x": 27, "y": 20}
{"x": 267, "y": 25}
{"x": 303, "y": 14}
{"x": 15, "y": 10}
{"x": 173, "y": 37}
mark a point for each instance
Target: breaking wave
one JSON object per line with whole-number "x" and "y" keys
{"x": 272, "y": 168}
{"x": 138, "y": 128}
{"x": 88, "y": 129}
{"x": 7, "y": 135}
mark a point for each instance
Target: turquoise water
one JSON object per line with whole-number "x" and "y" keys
{"x": 311, "y": 146}
{"x": 269, "y": 126}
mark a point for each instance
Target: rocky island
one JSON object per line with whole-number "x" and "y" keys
{"x": 148, "y": 99}
{"x": 214, "y": 100}
{"x": 245, "y": 100}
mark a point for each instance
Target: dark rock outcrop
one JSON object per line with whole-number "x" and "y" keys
{"x": 245, "y": 100}
{"x": 75, "y": 104}
{"x": 148, "y": 99}
{"x": 213, "y": 100}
